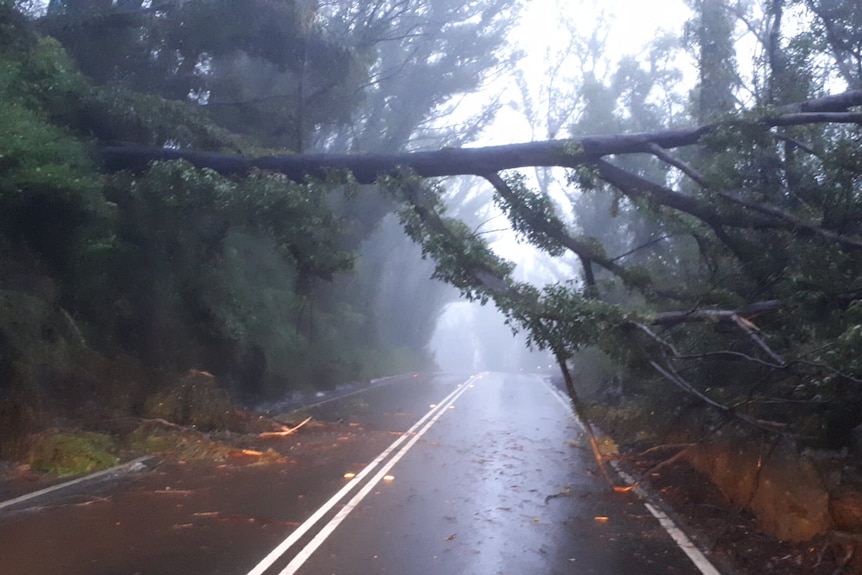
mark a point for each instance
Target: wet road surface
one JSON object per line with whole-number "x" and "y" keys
{"x": 491, "y": 480}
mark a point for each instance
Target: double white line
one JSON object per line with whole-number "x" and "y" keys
{"x": 411, "y": 436}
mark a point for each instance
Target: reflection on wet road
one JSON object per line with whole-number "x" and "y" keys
{"x": 496, "y": 486}
{"x": 426, "y": 475}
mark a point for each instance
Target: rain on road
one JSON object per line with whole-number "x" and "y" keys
{"x": 489, "y": 478}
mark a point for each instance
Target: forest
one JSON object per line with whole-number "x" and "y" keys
{"x": 229, "y": 187}
{"x": 122, "y": 281}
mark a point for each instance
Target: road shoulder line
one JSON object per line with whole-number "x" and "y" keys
{"x": 117, "y": 469}
{"x": 678, "y": 535}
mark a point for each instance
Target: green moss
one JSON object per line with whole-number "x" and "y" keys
{"x": 72, "y": 453}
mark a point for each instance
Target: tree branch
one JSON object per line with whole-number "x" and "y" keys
{"x": 677, "y": 355}
{"x": 816, "y": 118}
{"x": 765, "y": 209}
{"x": 581, "y": 413}
{"x": 685, "y": 168}
{"x": 795, "y": 223}
{"x": 366, "y": 168}
{"x": 586, "y": 252}
{"x": 750, "y": 330}
{"x": 715, "y": 315}
{"x": 672, "y": 376}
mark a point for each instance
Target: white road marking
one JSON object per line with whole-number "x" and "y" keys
{"x": 564, "y": 401}
{"x": 123, "y": 467}
{"x": 696, "y": 555}
{"x": 382, "y": 382}
{"x": 327, "y": 529}
{"x": 680, "y": 538}
{"x": 433, "y": 415}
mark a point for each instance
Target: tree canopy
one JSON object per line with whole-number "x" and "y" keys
{"x": 268, "y": 284}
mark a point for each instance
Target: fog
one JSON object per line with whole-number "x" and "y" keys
{"x": 470, "y": 337}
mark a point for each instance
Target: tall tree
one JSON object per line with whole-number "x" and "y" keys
{"x": 711, "y": 34}
{"x": 288, "y": 75}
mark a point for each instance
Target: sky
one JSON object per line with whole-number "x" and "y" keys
{"x": 626, "y": 27}
{"x": 629, "y": 27}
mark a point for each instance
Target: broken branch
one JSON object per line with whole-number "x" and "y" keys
{"x": 285, "y": 430}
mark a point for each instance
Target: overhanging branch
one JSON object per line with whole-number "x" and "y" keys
{"x": 570, "y": 153}
{"x": 586, "y": 252}
{"x": 714, "y": 315}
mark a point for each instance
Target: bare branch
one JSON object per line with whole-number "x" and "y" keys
{"x": 685, "y": 168}
{"x": 750, "y": 330}
{"x": 454, "y": 162}
{"x": 816, "y": 118}
{"x": 723, "y": 353}
{"x": 715, "y": 315}
{"x": 836, "y": 103}
{"x": 733, "y": 354}
{"x": 642, "y": 246}
{"x": 657, "y": 338}
{"x": 581, "y": 412}
{"x": 672, "y": 376}
{"x": 798, "y": 144}
{"x": 797, "y": 223}
{"x": 831, "y": 370}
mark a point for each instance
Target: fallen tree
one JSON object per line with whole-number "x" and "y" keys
{"x": 768, "y": 240}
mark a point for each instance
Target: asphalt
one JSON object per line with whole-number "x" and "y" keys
{"x": 498, "y": 482}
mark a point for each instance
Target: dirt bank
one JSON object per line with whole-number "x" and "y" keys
{"x": 762, "y": 500}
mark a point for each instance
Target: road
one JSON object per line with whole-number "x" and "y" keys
{"x": 436, "y": 474}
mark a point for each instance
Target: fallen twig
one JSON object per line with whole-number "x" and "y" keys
{"x": 666, "y": 446}
{"x": 845, "y": 560}
{"x": 285, "y": 430}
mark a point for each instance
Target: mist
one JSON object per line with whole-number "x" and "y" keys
{"x": 470, "y": 337}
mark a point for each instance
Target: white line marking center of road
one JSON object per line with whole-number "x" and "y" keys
{"x": 424, "y": 423}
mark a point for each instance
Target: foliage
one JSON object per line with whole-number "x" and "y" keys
{"x": 756, "y": 211}
{"x": 184, "y": 444}
{"x": 195, "y": 401}
{"x": 539, "y": 207}
{"x": 462, "y": 258}
{"x": 262, "y": 68}
{"x": 117, "y": 114}
{"x": 72, "y": 453}
{"x": 174, "y": 195}
{"x": 252, "y": 278}
{"x": 50, "y": 195}
{"x": 576, "y": 320}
